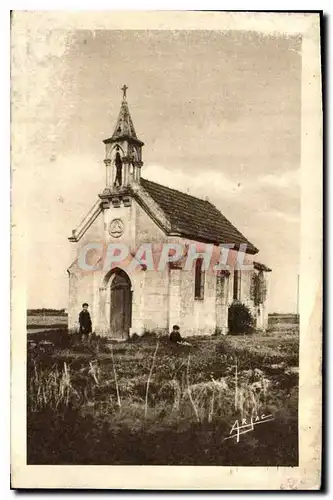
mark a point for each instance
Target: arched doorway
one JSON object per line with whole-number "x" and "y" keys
{"x": 120, "y": 305}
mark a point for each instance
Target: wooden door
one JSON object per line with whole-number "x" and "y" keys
{"x": 121, "y": 306}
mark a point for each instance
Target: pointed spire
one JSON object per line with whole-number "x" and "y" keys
{"x": 124, "y": 126}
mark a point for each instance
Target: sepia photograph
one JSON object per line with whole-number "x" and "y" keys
{"x": 157, "y": 235}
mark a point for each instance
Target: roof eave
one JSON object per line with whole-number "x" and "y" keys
{"x": 123, "y": 138}
{"x": 251, "y": 249}
{"x": 261, "y": 267}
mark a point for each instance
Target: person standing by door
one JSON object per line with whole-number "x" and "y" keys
{"x": 85, "y": 322}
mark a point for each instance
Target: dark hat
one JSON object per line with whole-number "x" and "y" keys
{"x": 85, "y": 304}
{"x": 175, "y": 327}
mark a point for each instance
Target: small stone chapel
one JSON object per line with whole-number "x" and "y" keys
{"x": 134, "y": 211}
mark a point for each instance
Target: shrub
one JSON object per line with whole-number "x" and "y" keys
{"x": 240, "y": 319}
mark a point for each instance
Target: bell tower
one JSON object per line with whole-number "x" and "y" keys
{"x": 123, "y": 153}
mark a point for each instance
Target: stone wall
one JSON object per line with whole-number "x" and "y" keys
{"x": 161, "y": 298}
{"x": 80, "y": 290}
{"x": 147, "y": 231}
{"x": 155, "y": 301}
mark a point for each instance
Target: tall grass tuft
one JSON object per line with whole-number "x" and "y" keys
{"x": 50, "y": 388}
{"x": 149, "y": 378}
{"x": 189, "y": 388}
{"x": 115, "y": 377}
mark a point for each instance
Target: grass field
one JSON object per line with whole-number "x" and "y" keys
{"x": 149, "y": 402}
{"x": 40, "y": 321}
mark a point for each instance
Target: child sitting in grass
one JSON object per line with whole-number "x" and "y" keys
{"x": 175, "y": 336}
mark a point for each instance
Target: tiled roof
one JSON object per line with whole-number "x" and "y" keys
{"x": 194, "y": 218}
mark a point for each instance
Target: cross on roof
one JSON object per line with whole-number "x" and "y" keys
{"x": 124, "y": 89}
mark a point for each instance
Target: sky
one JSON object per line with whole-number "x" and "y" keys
{"x": 219, "y": 113}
